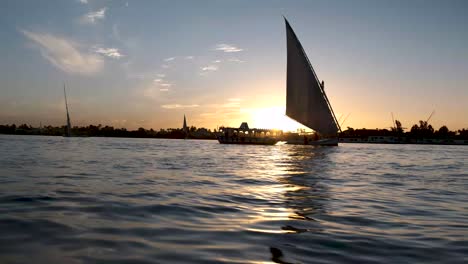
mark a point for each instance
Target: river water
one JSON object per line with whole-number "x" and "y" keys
{"x": 117, "y": 200}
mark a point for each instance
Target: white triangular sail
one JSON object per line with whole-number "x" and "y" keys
{"x": 306, "y": 101}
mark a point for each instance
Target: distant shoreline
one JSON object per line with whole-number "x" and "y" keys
{"x": 464, "y": 143}
{"x": 420, "y": 135}
{"x": 342, "y": 140}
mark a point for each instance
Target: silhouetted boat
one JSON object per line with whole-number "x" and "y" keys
{"x": 68, "y": 128}
{"x": 306, "y": 101}
{"x": 245, "y": 135}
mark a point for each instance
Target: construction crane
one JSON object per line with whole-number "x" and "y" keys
{"x": 430, "y": 116}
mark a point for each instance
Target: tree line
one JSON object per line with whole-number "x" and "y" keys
{"x": 423, "y": 130}
{"x": 109, "y": 131}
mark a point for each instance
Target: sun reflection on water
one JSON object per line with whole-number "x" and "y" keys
{"x": 291, "y": 192}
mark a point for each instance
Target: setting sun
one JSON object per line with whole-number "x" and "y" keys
{"x": 274, "y": 118}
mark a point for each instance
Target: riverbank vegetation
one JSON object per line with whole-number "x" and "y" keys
{"x": 422, "y": 130}
{"x": 108, "y": 131}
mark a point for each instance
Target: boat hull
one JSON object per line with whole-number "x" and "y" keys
{"x": 321, "y": 142}
{"x": 247, "y": 140}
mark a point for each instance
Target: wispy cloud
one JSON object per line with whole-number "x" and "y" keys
{"x": 93, "y": 17}
{"x": 109, "y": 52}
{"x": 210, "y": 68}
{"x": 65, "y": 54}
{"x": 227, "y": 48}
{"x": 162, "y": 83}
{"x": 83, "y": 1}
{"x": 169, "y": 59}
{"x": 235, "y": 60}
{"x": 189, "y": 57}
{"x": 175, "y": 106}
{"x": 216, "y": 61}
{"x": 164, "y": 66}
{"x": 231, "y": 103}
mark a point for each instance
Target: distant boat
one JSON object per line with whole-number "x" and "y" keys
{"x": 248, "y": 136}
{"x": 306, "y": 101}
{"x": 68, "y": 128}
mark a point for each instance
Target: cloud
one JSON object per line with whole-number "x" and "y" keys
{"x": 189, "y": 57}
{"x": 83, "y": 1}
{"x": 210, "y": 68}
{"x": 231, "y": 105}
{"x": 227, "y": 48}
{"x": 160, "y": 82}
{"x": 174, "y": 106}
{"x": 109, "y": 52}
{"x": 164, "y": 66}
{"x": 161, "y": 75}
{"x": 93, "y": 17}
{"x": 170, "y": 59}
{"x": 235, "y": 60}
{"x": 65, "y": 55}
{"x": 216, "y": 61}
{"x": 164, "y": 90}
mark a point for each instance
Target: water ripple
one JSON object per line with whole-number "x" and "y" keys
{"x": 104, "y": 200}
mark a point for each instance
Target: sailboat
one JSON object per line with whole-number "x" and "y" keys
{"x": 306, "y": 101}
{"x": 68, "y": 128}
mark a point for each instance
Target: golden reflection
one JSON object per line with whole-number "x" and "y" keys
{"x": 295, "y": 193}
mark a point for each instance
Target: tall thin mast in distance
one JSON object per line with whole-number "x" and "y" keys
{"x": 185, "y": 128}
{"x": 68, "y": 130}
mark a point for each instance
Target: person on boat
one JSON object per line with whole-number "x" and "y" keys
{"x": 316, "y": 137}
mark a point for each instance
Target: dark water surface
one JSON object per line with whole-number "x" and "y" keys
{"x": 110, "y": 200}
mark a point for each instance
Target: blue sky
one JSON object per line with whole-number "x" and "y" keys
{"x": 146, "y": 63}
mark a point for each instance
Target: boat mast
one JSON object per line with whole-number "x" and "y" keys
{"x": 185, "y": 128}
{"x": 329, "y": 105}
{"x": 68, "y": 115}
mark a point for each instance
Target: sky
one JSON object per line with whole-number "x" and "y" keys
{"x": 147, "y": 63}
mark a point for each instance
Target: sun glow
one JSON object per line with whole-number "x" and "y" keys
{"x": 273, "y": 118}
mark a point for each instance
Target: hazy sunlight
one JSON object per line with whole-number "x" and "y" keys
{"x": 273, "y": 117}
